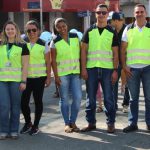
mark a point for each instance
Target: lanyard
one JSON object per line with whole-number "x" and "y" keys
{"x": 8, "y": 51}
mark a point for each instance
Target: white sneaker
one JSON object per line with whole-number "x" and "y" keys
{"x": 125, "y": 109}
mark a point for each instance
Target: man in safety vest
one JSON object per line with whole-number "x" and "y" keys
{"x": 99, "y": 62}
{"x": 136, "y": 64}
{"x": 116, "y": 20}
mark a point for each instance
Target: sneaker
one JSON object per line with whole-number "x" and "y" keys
{"x": 14, "y": 136}
{"x": 3, "y": 136}
{"x": 125, "y": 109}
{"x": 148, "y": 128}
{"x": 27, "y": 127}
{"x": 34, "y": 131}
{"x": 130, "y": 128}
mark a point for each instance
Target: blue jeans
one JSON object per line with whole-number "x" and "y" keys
{"x": 70, "y": 84}
{"x": 96, "y": 75}
{"x": 10, "y": 98}
{"x": 126, "y": 94}
{"x": 139, "y": 75}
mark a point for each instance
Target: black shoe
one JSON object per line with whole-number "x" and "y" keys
{"x": 34, "y": 131}
{"x": 148, "y": 128}
{"x": 27, "y": 127}
{"x": 130, "y": 128}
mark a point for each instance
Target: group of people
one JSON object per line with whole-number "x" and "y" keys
{"x": 99, "y": 58}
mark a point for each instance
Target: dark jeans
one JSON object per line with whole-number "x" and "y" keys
{"x": 35, "y": 85}
{"x": 96, "y": 75}
{"x": 126, "y": 94}
{"x": 139, "y": 75}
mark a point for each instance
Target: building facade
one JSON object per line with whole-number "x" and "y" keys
{"x": 78, "y": 12}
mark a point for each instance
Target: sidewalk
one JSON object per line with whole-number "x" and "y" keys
{"x": 53, "y": 137}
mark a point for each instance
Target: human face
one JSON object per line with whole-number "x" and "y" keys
{"x": 62, "y": 28}
{"x": 139, "y": 13}
{"x": 32, "y": 31}
{"x": 113, "y": 23}
{"x": 101, "y": 14}
{"x": 10, "y": 31}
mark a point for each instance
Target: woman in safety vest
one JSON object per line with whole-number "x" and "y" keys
{"x": 14, "y": 58}
{"x": 65, "y": 49}
{"x": 38, "y": 77}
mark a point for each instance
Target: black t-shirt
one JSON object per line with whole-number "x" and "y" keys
{"x": 25, "y": 50}
{"x": 120, "y": 34}
{"x": 85, "y": 37}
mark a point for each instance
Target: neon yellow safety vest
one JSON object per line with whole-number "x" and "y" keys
{"x": 10, "y": 69}
{"x": 138, "y": 50}
{"x": 100, "y": 49}
{"x": 68, "y": 56}
{"x": 37, "y": 65}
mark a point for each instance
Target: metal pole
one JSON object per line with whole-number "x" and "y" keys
{"x": 41, "y": 16}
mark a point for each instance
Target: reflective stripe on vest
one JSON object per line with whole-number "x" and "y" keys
{"x": 68, "y": 69}
{"x": 37, "y": 66}
{"x": 67, "y": 62}
{"x": 10, "y": 78}
{"x": 10, "y": 69}
{"x": 100, "y": 49}
{"x": 14, "y": 71}
{"x": 138, "y": 50}
{"x": 68, "y": 56}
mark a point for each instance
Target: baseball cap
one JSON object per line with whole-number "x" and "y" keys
{"x": 115, "y": 16}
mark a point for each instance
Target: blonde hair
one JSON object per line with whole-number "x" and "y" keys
{"x": 4, "y": 38}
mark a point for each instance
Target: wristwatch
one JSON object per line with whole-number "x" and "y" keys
{"x": 24, "y": 82}
{"x": 116, "y": 69}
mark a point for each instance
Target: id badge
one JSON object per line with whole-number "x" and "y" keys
{"x": 8, "y": 64}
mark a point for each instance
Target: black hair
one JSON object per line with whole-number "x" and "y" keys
{"x": 140, "y": 5}
{"x": 56, "y": 21}
{"x": 33, "y": 22}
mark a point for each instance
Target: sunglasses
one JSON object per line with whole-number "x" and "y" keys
{"x": 101, "y": 12}
{"x": 33, "y": 30}
{"x": 137, "y": 12}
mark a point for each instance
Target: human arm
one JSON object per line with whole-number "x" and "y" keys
{"x": 84, "y": 47}
{"x": 115, "y": 64}
{"x": 123, "y": 59}
{"x": 48, "y": 69}
{"x": 25, "y": 63}
{"x": 54, "y": 66}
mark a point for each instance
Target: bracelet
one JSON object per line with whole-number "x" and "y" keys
{"x": 24, "y": 82}
{"x": 116, "y": 69}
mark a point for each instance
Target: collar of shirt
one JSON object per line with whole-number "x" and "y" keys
{"x": 139, "y": 28}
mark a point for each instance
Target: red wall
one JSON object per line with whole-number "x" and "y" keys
{"x": 11, "y": 5}
{"x": 67, "y": 5}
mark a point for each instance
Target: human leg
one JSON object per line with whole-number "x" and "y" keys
{"x": 15, "y": 99}
{"x": 109, "y": 101}
{"x": 4, "y": 109}
{"x": 146, "y": 91}
{"x": 76, "y": 90}
{"x": 134, "y": 88}
{"x": 25, "y": 98}
{"x": 64, "y": 98}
